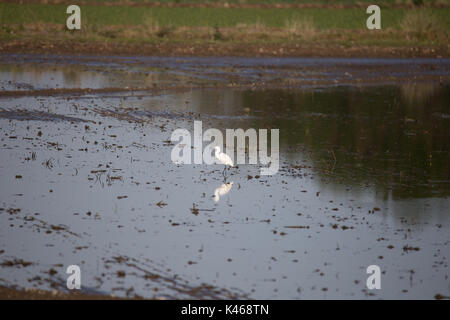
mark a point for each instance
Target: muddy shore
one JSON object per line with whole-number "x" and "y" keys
{"x": 36, "y": 294}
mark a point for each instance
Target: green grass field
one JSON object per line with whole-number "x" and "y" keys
{"x": 210, "y": 17}
{"x": 146, "y": 24}
{"x": 346, "y": 2}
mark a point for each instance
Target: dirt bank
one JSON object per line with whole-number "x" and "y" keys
{"x": 219, "y": 49}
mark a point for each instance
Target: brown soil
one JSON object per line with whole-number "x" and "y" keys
{"x": 37, "y": 294}
{"x": 218, "y": 49}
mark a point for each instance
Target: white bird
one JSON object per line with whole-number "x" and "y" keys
{"x": 223, "y": 158}
{"x": 222, "y": 190}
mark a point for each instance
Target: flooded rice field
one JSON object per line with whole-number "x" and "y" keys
{"x": 87, "y": 177}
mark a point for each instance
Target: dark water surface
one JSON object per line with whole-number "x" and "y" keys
{"x": 364, "y": 178}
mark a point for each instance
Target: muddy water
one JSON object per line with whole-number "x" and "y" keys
{"x": 364, "y": 177}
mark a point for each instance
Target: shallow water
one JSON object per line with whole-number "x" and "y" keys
{"x": 364, "y": 177}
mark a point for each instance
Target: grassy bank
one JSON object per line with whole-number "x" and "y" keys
{"x": 323, "y": 18}
{"x": 123, "y": 24}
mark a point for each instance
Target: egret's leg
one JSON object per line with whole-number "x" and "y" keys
{"x": 224, "y": 175}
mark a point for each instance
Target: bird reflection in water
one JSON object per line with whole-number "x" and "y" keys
{"x": 222, "y": 190}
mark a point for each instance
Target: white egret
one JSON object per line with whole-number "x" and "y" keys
{"x": 222, "y": 190}
{"x": 223, "y": 158}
